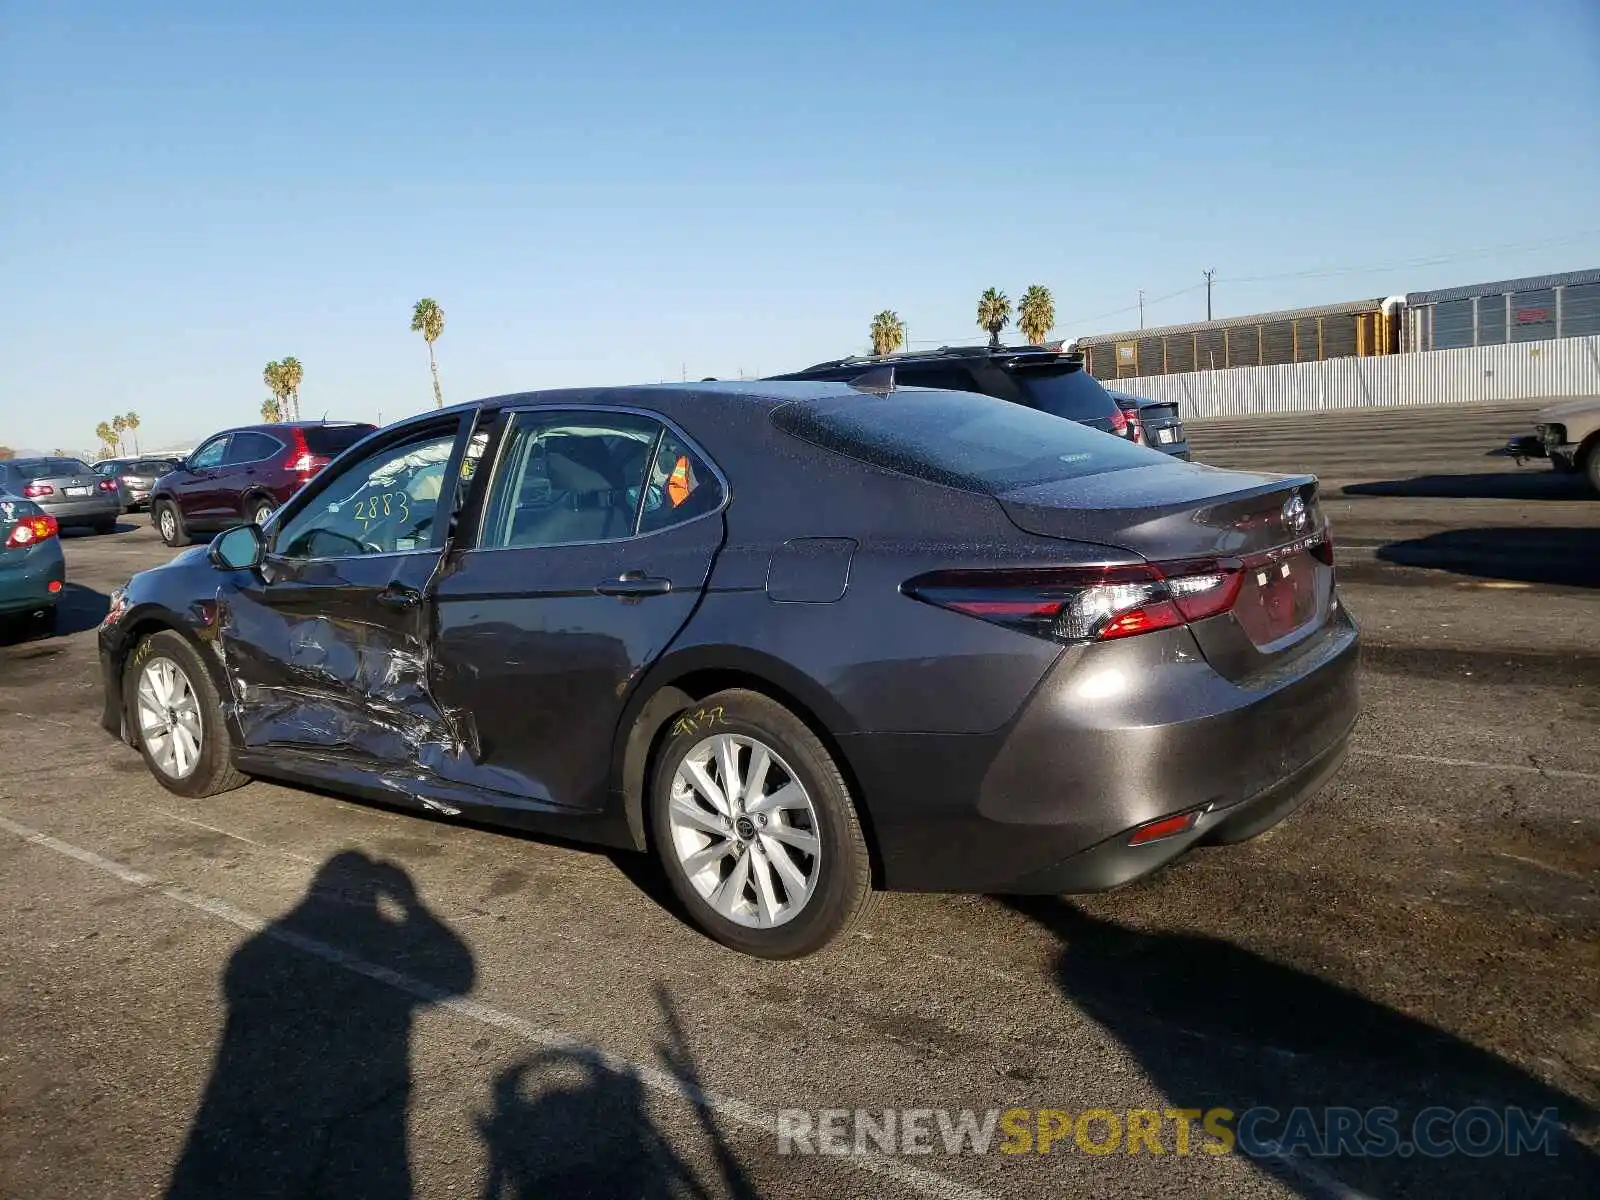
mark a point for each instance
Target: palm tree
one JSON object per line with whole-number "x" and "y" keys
{"x": 888, "y": 332}
{"x": 132, "y": 422}
{"x": 270, "y": 411}
{"x": 994, "y": 313}
{"x": 427, "y": 318}
{"x": 273, "y": 376}
{"x": 293, "y": 373}
{"x": 108, "y": 439}
{"x": 1036, "y": 314}
{"x": 118, "y": 426}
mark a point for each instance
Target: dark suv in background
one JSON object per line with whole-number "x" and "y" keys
{"x": 1154, "y": 423}
{"x": 241, "y": 475}
{"x": 1036, "y": 376}
{"x": 136, "y": 476}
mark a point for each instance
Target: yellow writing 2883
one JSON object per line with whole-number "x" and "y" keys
{"x": 385, "y": 504}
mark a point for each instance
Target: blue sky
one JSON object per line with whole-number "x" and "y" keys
{"x": 612, "y": 193}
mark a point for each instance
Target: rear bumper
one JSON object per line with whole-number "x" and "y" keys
{"x": 85, "y": 512}
{"x": 26, "y": 576}
{"x": 1111, "y": 740}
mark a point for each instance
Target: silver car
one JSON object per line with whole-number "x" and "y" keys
{"x": 65, "y": 488}
{"x": 137, "y": 477}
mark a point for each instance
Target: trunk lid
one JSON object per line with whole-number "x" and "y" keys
{"x": 1270, "y": 528}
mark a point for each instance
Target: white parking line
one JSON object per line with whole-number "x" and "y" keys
{"x": 1518, "y": 768}
{"x": 730, "y": 1108}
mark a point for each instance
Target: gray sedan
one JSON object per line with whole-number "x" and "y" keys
{"x": 65, "y": 488}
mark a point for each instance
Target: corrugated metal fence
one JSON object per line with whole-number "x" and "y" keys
{"x": 1565, "y": 367}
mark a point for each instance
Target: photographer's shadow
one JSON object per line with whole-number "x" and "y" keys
{"x": 312, "y": 1080}
{"x": 567, "y": 1122}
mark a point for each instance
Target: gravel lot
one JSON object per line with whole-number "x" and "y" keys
{"x": 544, "y": 1023}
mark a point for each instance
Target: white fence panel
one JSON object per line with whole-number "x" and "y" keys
{"x": 1526, "y": 371}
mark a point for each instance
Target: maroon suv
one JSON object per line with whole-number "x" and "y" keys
{"x": 242, "y": 475}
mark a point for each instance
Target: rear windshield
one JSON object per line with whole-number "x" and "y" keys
{"x": 960, "y": 439}
{"x": 50, "y": 468}
{"x": 329, "y": 440}
{"x": 152, "y": 466}
{"x": 1075, "y": 394}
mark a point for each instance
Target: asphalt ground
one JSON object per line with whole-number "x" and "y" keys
{"x": 280, "y": 992}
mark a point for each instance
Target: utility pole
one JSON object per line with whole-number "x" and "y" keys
{"x": 1209, "y": 276}
{"x": 1141, "y": 308}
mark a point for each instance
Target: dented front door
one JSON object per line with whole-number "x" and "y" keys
{"x": 329, "y": 657}
{"x": 326, "y": 647}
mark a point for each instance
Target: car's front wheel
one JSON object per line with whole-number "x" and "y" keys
{"x": 756, "y": 828}
{"x": 169, "y": 523}
{"x": 176, "y": 716}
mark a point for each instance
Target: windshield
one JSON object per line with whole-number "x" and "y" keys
{"x": 1076, "y": 394}
{"x": 960, "y": 439}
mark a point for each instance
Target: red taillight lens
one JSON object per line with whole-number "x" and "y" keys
{"x": 34, "y": 490}
{"x": 1164, "y": 827}
{"x": 108, "y": 485}
{"x": 1119, "y": 422}
{"x": 1085, "y": 604}
{"x": 31, "y": 530}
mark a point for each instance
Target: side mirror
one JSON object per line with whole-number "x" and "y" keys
{"x": 239, "y": 549}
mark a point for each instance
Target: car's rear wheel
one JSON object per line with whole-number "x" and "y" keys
{"x": 176, "y": 717}
{"x": 169, "y": 523}
{"x": 756, "y": 828}
{"x": 260, "y": 510}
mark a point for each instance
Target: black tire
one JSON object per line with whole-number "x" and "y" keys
{"x": 159, "y": 511}
{"x": 257, "y": 511}
{"x": 841, "y": 894}
{"x": 213, "y": 771}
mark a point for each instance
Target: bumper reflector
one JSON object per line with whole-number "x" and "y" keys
{"x": 1163, "y": 827}
{"x": 54, "y": 587}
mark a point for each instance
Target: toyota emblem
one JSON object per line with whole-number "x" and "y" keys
{"x": 1295, "y": 517}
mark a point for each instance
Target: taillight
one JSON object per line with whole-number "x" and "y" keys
{"x": 1119, "y": 422}
{"x": 1086, "y": 604}
{"x": 1135, "y": 428}
{"x": 30, "y": 531}
{"x": 108, "y": 485}
{"x": 34, "y": 490}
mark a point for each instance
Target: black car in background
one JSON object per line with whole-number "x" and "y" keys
{"x": 798, "y": 639}
{"x": 136, "y": 477}
{"x": 1049, "y": 380}
{"x": 1154, "y": 423}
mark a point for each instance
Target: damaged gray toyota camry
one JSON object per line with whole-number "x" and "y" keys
{"x": 801, "y": 640}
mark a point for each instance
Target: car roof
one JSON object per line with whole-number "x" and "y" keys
{"x": 1002, "y": 356}
{"x": 686, "y": 400}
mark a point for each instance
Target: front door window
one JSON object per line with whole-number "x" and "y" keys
{"x": 385, "y": 503}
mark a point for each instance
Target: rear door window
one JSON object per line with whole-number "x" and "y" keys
{"x": 960, "y": 439}
{"x": 680, "y": 487}
{"x": 252, "y": 447}
{"x": 566, "y": 477}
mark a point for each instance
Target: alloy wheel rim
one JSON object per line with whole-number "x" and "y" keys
{"x": 169, "y": 718}
{"x": 169, "y": 524}
{"x": 745, "y": 831}
{"x": 263, "y": 511}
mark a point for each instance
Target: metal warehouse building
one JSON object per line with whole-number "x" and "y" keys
{"x": 1358, "y": 327}
{"x": 1513, "y": 310}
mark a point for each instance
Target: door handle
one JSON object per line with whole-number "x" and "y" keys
{"x": 395, "y": 596}
{"x": 634, "y": 583}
